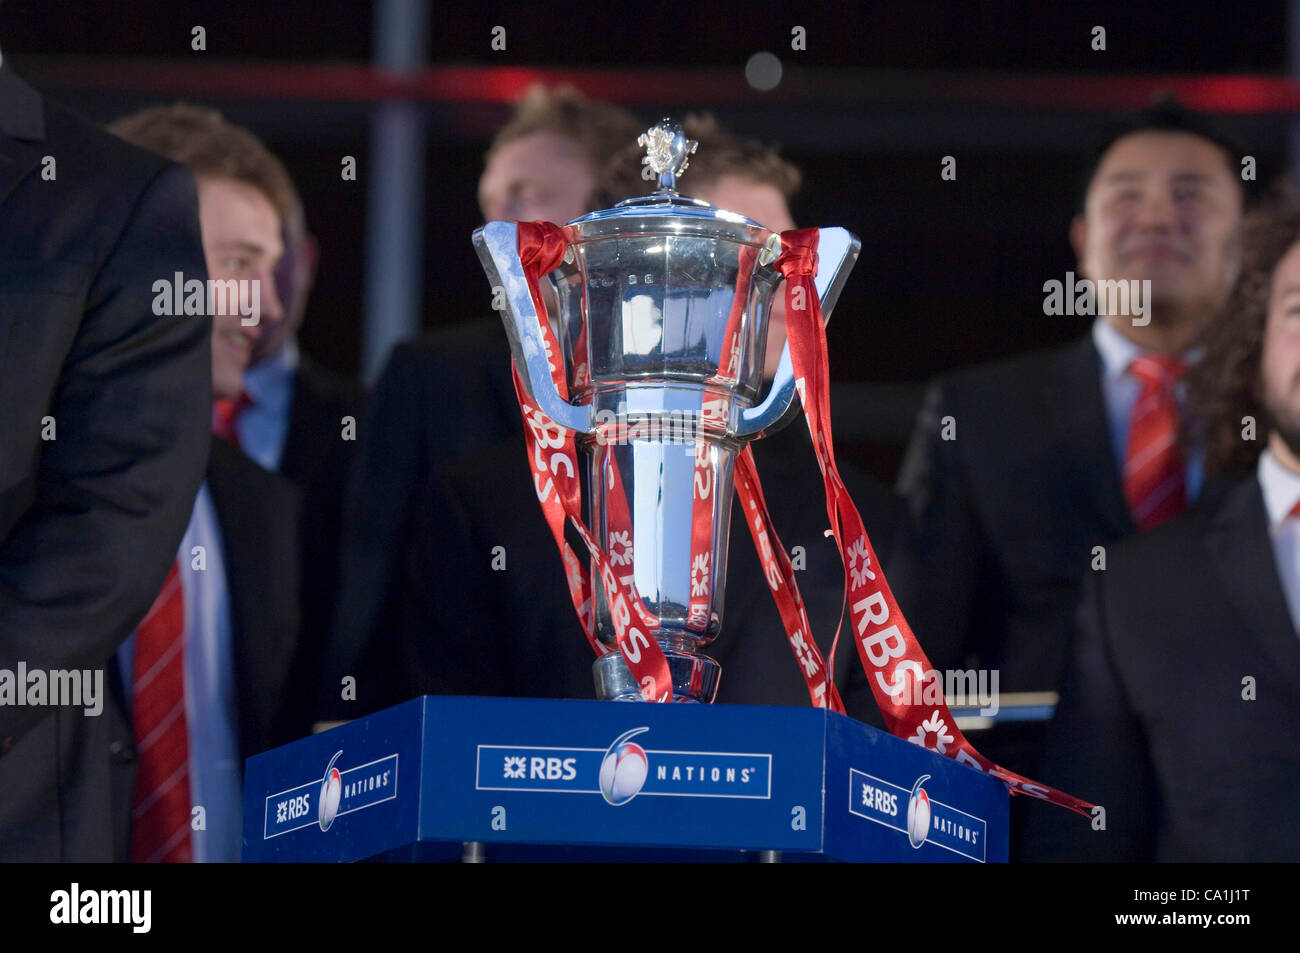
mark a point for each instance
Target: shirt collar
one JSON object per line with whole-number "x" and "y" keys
{"x": 1281, "y": 488}
{"x": 1117, "y": 352}
{"x": 268, "y": 384}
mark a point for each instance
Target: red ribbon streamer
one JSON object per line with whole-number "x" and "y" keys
{"x": 885, "y": 643}
{"x": 890, "y": 654}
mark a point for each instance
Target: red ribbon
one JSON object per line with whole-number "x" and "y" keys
{"x": 889, "y": 651}
{"x": 890, "y": 654}
{"x": 552, "y": 454}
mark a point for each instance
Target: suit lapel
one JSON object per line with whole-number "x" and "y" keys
{"x": 294, "y": 462}
{"x": 1073, "y": 393}
{"x": 1242, "y": 554}
{"x": 22, "y": 122}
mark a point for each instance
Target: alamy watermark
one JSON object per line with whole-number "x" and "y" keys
{"x": 83, "y": 688}
{"x": 133, "y": 908}
{"x": 180, "y": 296}
{"x": 1130, "y": 298}
{"x": 961, "y": 688}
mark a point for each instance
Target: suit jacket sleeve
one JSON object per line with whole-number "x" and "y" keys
{"x": 947, "y": 540}
{"x": 1096, "y": 750}
{"x": 113, "y": 492}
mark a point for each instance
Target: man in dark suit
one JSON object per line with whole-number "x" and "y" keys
{"x": 1022, "y": 473}
{"x": 1182, "y": 694}
{"x": 467, "y": 629}
{"x": 229, "y": 621}
{"x": 300, "y": 419}
{"x": 103, "y": 411}
{"x": 448, "y": 394}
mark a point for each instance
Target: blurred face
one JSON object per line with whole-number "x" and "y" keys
{"x": 766, "y": 205}
{"x": 1163, "y": 206}
{"x": 294, "y": 276}
{"x": 241, "y": 241}
{"x": 1280, "y": 360}
{"x": 763, "y": 203}
{"x": 538, "y": 177}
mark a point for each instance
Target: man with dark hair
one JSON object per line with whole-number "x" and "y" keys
{"x": 1033, "y": 473}
{"x": 204, "y": 676}
{"x": 103, "y": 406}
{"x": 1182, "y": 691}
{"x": 1023, "y": 472}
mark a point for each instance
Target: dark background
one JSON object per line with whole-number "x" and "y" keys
{"x": 950, "y": 273}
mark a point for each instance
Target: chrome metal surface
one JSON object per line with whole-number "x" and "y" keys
{"x": 695, "y": 678}
{"x": 663, "y": 308}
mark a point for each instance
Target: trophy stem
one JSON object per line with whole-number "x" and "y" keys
{"x": 695, "y": 677}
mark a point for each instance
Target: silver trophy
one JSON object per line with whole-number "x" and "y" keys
{"x": 663, "y": 310}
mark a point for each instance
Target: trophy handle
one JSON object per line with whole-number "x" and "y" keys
{"x": 837, "y": 251}
{"x": 497, "y": 244}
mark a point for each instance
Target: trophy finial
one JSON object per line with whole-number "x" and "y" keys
{"x": 667, "y": 149}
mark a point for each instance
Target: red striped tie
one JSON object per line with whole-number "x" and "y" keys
{"x": 160, "y": 828}
{"x": 1155, "y": 475}
{"x": 225, "y": 412}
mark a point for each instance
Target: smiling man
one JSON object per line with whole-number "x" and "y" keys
{"x": 1021, "y": 473}
{"x": 1184, "y": 679}
{"x": 241, "y": 241}
{"x": 203, "y": 678}
{"x": 1164, "y": 206}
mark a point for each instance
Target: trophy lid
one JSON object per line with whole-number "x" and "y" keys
{"x": 668, "y": 154}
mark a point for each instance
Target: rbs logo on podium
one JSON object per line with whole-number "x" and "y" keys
{"x": 518, "y": 768}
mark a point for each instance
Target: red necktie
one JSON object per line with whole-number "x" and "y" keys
{"x": 1155, "y": 475}
{"x": 225, "y": 412}
{"x": 160, "y": 827}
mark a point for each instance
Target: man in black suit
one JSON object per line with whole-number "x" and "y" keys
{"x": 468, "y": 629}
{"x": 1024, "y": 472}
{"x": 1182, "y": 694}
{"x": 103, "y": 411}
{"x": 237, "y": 566}
{"x": 300, "y": 419}
{"x": 472, "y": 630}
{"x": 448, "y": 394}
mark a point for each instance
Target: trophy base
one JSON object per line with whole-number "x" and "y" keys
{"x": 695, "y": 677}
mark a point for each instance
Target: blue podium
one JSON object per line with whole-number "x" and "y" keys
{"x": 540, "y": 779}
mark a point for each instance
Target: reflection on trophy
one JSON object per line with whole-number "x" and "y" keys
{"x": 663, "y": 308}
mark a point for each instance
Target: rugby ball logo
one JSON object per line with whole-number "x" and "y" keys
{"x": 331, "y": 789}
{"x": 918, "y": 814}
{"x": 624, "y": 768}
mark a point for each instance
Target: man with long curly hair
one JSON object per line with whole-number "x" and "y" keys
{"x": 1182, "y": 692}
